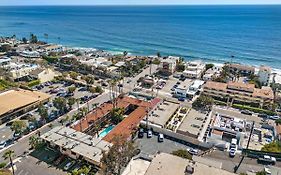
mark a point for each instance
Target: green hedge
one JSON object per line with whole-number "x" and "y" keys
{"x": 256, "y": 110}
{"x": 222, "y": 103}
{"x": 33, "y": 83}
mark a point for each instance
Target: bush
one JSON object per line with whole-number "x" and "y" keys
{"x": 33, "y": 83}
{"x": 273, "y": 147}
{"x": 256, "y": 110}
{"x": 182, "y": 153}
{"x": 2, "y": 165}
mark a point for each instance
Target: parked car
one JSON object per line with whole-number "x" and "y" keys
{"x": 267, "y": 159}
{"x": 149, "y": 134}
{"x": 175, "y": 86}
{"x": 232, "y": 152}
{"x": 181, "y": 99}
{"x": 275, "y": 117}
{"x": 82, "y": 89}
{"x": 193, "y": 151}
{"x": 160, "y": 138}
{"x": 69, "y": 165}
{"x": 140, "y": 133}
{"x": 120, "y": 85}
{"x": 246, "y": 112}
{"x": 17, "y": 135}
{"x": 3, "y": 144}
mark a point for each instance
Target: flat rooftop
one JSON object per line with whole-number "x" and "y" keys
{"x": 192, "y": 123}
{"x": 79, "y": 143}
{"x": 163, "y": 111}
{"x": 167, "y": 164}
{"x": 15, "y": 99}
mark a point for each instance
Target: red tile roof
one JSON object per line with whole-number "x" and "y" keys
{"x": 128, "y": 125}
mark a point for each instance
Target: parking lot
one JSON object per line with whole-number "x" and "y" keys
{"x": 151, "y": 145}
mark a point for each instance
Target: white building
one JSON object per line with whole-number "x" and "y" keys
{"x": 77, "y": 145}
{"x": 30, "y": 54}
{"x": 194, "y": 88}
{"x": 22, "y": 70}
{"x": 194, "y": 69}
{"x": 212, "y": 73}
{"x": 264, "y": 74}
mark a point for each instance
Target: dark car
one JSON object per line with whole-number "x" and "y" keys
{"x": 85, "y": 98}
{"x": 181, "y": 99}
{"x": 9, "y": 123}
{"x": 120, "y": 85}
{"x": 246, "y": 112}
{"x": 69, "y": 94}
{"x": 141, "y": 133}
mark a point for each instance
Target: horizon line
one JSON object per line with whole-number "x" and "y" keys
{"x": 203, "y": 4}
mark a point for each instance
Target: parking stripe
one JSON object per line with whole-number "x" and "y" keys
{"x": 20, "y": 172}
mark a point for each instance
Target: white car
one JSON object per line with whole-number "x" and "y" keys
{"x": 232, "y": 152}
{"x": 193, "y": 151}
{"x": 2, "y": 144}
{"x": 149, "y": 134}
{"x": 276, "y": 117}
{"x": 160, "y": 138}
{"x": 68, "y": 165}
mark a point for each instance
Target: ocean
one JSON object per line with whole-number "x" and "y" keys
{"x": 252, "y": 34}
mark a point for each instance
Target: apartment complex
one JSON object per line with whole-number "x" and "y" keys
{"x": 168, "y": 65}
{"x": 241, "y": 69}
{"x": 238, "y": 92}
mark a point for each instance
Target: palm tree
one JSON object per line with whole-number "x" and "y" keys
{"x": 8, "y": 155}
{"x": 33, "y": 141}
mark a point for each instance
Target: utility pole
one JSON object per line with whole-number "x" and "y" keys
{"x": 243, "y": 156}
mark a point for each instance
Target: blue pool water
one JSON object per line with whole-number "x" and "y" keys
{"x": 106, "y": 131}
{"x": 211, "y": 33}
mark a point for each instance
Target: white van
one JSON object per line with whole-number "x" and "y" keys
{"x": 160, "y": 138}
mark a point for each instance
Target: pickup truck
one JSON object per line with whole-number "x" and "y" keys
{"x": 267, "y": 159}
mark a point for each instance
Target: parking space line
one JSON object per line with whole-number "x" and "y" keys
{"x": 21, "y": 171}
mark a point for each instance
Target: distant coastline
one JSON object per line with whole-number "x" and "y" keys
{"x": 210, "y": 33}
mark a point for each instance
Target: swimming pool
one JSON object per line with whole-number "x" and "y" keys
{"x": 106, "y": 131}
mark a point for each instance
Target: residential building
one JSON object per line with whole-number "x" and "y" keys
{"x": 264, "y": 74}
{"x": 30, "y": 54}
{"x": 134, "y": 109}
{"x": 52, "y": 48}
{"x": 4, "y": 61}
{"x": 43, "y": 75}
{"x": 194, "y": 88}
{"x": 238, "y": 92}
{"x": 168, "y": 65}
{"x": 17, "y": 102}
{"x": 77, "y": 145}
{"x": 194, "y": 69}
{"x": 19, "y": 71}
{"x": 241, "y": 69}
{"x": 167, "y": 164}
{"x": 212, "y": 73}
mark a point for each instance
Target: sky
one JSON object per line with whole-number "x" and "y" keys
{"x": 134, "y": 2}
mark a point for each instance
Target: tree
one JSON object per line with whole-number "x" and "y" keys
{"x": 278, "y": 121}
{"x": 33, "y": 38}
{"x": 61, "y": 104}
{"x": 5, "y": 48}
{"x": 261, "y": 173}
{"x": 182, "y": 153}
{"x": 71, "y": 101}
{"x": 18, "y": 126}
{"x": 8, "y": 155}
{"x": 158, "y": 54}
{"x": 117, "y": 115}
{"x": 203, "y": 102}
{"x": 43, "y": 112}
{"x": 209, "y": 66}
{"x": 118, "y": 156}
{"x": 125, "y": 53}
{"x": 274, "y": 147}
{"x": 73, "y": 75}
{"x": 24, "y": 40}
{"x": 34, "y": 142}
{"x": 84, "y": 170}
{"x": 89, "y": 79}
{"x": 71, "y": 89}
